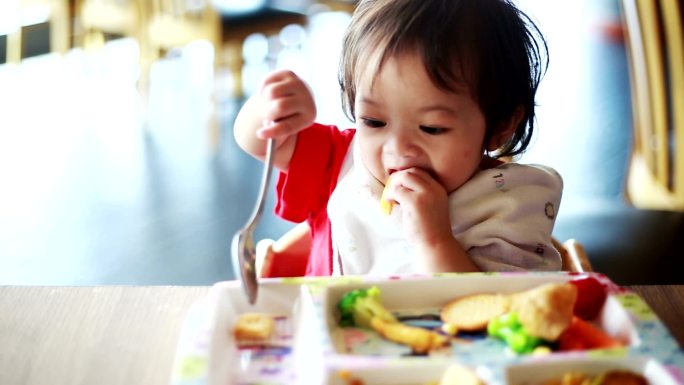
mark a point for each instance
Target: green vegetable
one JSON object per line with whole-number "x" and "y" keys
{"x": 509, "y": 329}
{"x": 359, "y": 306}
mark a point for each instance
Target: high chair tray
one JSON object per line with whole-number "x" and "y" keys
{"x": 308, "y": 346}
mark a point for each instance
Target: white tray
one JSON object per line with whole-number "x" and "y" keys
{"x": 309, "y": 347}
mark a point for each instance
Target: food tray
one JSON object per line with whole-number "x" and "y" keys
{"x": 310, "y": 348}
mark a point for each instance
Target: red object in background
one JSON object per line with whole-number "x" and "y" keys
{"x": 582, "y": 335}
{"x": 591, "y": 295}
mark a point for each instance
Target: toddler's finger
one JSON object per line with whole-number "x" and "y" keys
{"x": 278, "y": 76}
{"x": 416, "y": 178}
{"x": 279, "y": 89}
{"x": 282, "y": 108}
{"x": 284, "y": 127}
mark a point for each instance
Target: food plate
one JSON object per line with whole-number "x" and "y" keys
{"x": 535, "y": 372}
{"x": 538, "y": 372}
{"x": 309, "y": 347}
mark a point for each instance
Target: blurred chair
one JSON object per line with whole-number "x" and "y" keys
{"x": 340, "y": 5}
{"x": 157, "y": 26}
{"x": 102, "y": 19}
{"x": 656, "y": 57}
{"x": 36, "y": 19}
{"x": 175, "y": 24}
{"x": 237, "y": 25}
{"x": 162, "y": 25}
{"x": 638, "y": 241}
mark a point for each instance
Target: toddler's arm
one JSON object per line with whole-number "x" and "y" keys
{"x": 283, "y": 107}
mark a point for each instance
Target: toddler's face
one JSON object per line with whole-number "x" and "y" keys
{"x": 404, "y": 120}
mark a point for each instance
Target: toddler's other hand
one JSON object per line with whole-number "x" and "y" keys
{"x": 288, "y": 105}
{"x": 424, "y": 206}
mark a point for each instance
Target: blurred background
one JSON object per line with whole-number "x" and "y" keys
{"x": 117, "y": 160}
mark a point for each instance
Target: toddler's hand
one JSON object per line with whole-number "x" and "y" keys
{"x": 424, "y": 207}
{"x": 288, "y": 105}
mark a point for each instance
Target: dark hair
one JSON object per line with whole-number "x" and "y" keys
{"x": 490, "y": 46}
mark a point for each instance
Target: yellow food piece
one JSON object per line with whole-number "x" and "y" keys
{"x": 459, "y": 375}
{"x": 385, "y": 205}
{"x": 545, "y": 311}
{"x": 419, "y": 339}
{"x": 254, "y": 326}
{"x": 344, "y": 374}
{"x": 541, "y": 350}
{"x": 450, "y": 329}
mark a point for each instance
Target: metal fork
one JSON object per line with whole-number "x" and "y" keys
{"x": 243, "y": 249}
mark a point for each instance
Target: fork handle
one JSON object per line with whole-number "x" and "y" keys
{"x": 265, "y": 179}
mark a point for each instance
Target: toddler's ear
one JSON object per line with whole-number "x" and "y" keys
{"x": 506, "y": 130}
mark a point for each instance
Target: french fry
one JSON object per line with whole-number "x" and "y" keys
{"x": 419, "y": 339}
{"x": 386, "y": 205}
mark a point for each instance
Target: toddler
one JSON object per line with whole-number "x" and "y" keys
{"x": 439, "y": 91}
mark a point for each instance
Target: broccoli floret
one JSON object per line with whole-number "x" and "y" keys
{"x": 359, "y": 306}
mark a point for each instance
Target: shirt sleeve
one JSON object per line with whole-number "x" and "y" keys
{"x": 504, "y": 218}
{"x": 303, "y": 190}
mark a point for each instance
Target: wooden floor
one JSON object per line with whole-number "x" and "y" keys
{"x": 97, "y": 188}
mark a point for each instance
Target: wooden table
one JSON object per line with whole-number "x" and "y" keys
{"x": 127, "y": 335}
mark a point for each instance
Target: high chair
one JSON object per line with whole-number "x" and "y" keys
{"x": 272, "y": 261}
{"x": 237, "y": 26}
{"x": 655, "y": 40}
{"x": 573, "y": 256}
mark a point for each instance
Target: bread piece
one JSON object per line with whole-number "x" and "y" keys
{"x": 254, "y": 326}
{"x": 473, "y": 312}
{"x": 545, "y": 311}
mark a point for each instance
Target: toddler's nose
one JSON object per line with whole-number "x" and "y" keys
{"x": 402, "y": 144}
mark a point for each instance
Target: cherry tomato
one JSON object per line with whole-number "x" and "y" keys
{"x": 591, "y": 295}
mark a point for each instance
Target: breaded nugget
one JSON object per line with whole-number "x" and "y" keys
{"x": 254, "y": 326}
{"x": 545, "y": 311}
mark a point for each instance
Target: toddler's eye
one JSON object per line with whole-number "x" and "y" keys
{"x": 373, "y": 123}
{"x": 432, "y": 130}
